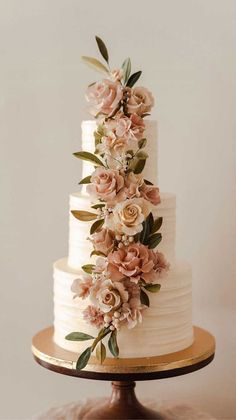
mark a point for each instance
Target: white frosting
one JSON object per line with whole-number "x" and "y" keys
{"x": 166, "y": 326}
{"x": 150, "y": 171}
{"x": 80, "y": 248}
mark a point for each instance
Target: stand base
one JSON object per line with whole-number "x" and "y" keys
{"x": 122, "y": 405}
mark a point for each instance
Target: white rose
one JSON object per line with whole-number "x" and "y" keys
{"x": 127, "y": 217}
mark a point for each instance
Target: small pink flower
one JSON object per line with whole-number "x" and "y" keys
{"x": 105, "y": 96}
{"x": 150, "y": 193}
{"x": 140, "y": 101}
{"x": 132, "y": 312}
{"x": 103, "y": 240}
{"x": 137, "y": 262}
{"x": 133, "y": 183}
{"x": 106, "y": 184}
{"x": 94, "y": 316}
{"x": 81, "y": 286}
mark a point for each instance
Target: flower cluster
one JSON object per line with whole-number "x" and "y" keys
{"x": 124, "y": 233}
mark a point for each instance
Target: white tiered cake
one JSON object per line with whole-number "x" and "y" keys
{"x": 167, "y": 324}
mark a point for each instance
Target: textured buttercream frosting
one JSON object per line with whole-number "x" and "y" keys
{"x": 166, "y": 325}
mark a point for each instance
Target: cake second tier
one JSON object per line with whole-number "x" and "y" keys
{"x": 80, "y": 247}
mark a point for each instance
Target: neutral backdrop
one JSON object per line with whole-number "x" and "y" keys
{"x": 186, "y": 50}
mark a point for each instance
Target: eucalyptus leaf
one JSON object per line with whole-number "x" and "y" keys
{"x": 142, "y": 155}
{"x": 139, "y": 166}
{"x": 142, "y": 143}
{"x": 101, "y": 352}
{"x": 88, "y": 268}
{"x": 85, "y": 216}
{"x": 98, "y": 206}
{"x": 78, "y": 336}
{"x": 157, "y": 224}
{"x": 154, "y": 240}
{"x": 96, "y": 225}
{"x": 144, "y": 298}
{"x": 133, "y": 78}
{"x": 86, "y": 180}
{"x": 83, "y": 359}
{"x": 102, "y": 48}
{"x": 90, "y": 157}
{"x": 153, "y": 288}
{"x": 95, "y": 64}
{"x": 112, "y": 344}
{"x": 126, "y": 67}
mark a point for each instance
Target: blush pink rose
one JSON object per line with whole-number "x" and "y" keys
{"x": 150, "y": 193}
{"x": 139, "y": 101}
{"x": 103, "y": 241}
{"x": 81, "y": 286}
{"x": 137, "y": 262}
{"x": 93, "y": 316}
{"x": 105, "y": 96}
{"x": 106, "y": 184}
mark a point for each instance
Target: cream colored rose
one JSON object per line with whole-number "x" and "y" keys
{"x": 139, "y": 101}
{"x": 127, "y": 217}
{"x": 106, "y": 185}
{"x": 104, "y": 96}
{"x": 109, "y": 296}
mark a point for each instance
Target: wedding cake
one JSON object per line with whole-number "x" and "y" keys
{"x": 121, "y": 292}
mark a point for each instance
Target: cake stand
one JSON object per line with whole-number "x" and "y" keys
{"x": 123, "y": 403}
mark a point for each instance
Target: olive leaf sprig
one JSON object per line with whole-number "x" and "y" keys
{"x": 128, "y": 79}
{"x": 97, "y": 344}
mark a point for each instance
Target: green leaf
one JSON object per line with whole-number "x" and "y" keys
{"x": 139, "y": 166}
{"x": 88, "y": 268}
{"x": 148, "y": 182}
{"x": 101, "y": 352}
{"x": 142, "y": 143}
{"x": 90, "y": 157}
{"x": 153, "y": 288}
{"x": 83, "y": 359}
{"x": 112, "y": 344}
{"x": 85, "y": 216}
{"x": 102, "y": 48}
{"x": 102, "y": 333}
{"x": 98, "y": 253}
{"x": 150, "y": 222}
{"x": 157, "y": 224}
{"x": 96, "y": 225}
{"x": 126, "y": 67}
{"x": 86, "y": 180}
{"x": 78, "y": 336}
{"x": 146, "y": 114}
{"x": 98, "y": 206}
{"x": 141, "y": 155}
{"x": 95, "y": 64}
{"x": 144, "y": 298}
{"x": 133, "y": 79}
{"x": 154, "y": 240}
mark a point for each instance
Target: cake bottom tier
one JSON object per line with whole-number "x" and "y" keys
{"x": 166, "y": 326}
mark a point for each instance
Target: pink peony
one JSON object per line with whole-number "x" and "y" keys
{"x": 150, "y": 193}
{"x": 105, "y": 96}
{"x": 94, "y": 316}
{"x": 81, "y": 286}
{"x": 103, "y": 241}
{"x": 140, "y": 101}
{"x": 106, "y": 184}
{"x": 137, "y": 262}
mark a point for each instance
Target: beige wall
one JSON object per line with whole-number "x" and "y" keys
{"x": 186, "y": 49}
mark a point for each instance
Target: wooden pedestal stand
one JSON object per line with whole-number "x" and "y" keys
{"x": 123, "y": 403}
